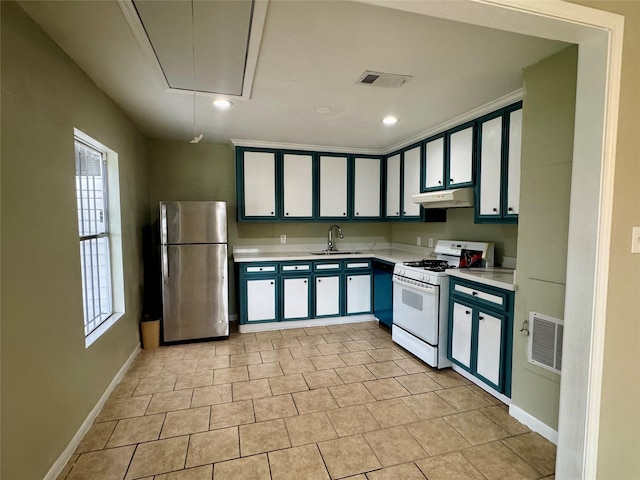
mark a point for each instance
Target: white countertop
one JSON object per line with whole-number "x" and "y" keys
{"x": 392, "y": 255}
{"x": 493, "y": 276}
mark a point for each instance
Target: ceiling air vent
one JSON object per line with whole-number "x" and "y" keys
{"x": 379, "y": 79}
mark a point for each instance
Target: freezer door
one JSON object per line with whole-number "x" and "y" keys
{"x": 193, "y": 222}
{"x": 194, "y": 291}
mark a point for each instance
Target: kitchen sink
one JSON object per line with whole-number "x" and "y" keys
{"x": 335, "y": 252}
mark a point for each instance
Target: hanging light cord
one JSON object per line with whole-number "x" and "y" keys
{"x": 196, "y": 138}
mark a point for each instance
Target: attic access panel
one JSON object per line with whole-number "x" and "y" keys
{"x": 221, "y": 39}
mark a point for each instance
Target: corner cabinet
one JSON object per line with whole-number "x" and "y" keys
{"x": 403, "y": 181}
{"x": 498, "y": 165}
{"x": 480, "y": 332}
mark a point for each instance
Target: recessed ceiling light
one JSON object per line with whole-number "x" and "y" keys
{"x": 390, "y": 120}
{"x": 222, "y": 104}
{"x": 323, "y": 110}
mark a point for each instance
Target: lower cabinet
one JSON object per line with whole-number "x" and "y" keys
{"x": 261, "y": 299}
{"x": 295, "y": 298}
{"x": 480, "y": 330}
{"x": 358, "y": 289}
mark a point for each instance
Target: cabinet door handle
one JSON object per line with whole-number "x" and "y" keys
{"x": 287, "y": 213}
{"x": 271, "y": 283}
{"x": 451, "y": 180}
{"x": 305, "y": 281}
{"x": 467, "y": 312}
{"x": 474, "y": 293}
{"x": 510, "y": 209}
{"x": 396, "y": 213}
{"x": 495, "y": 209}
{"x": 480, "y": 318}
{"x": 271, "y": 213}
{"x": 260, "y": 268}
{"x": 319, "y": 280}
{"x": 344, "y": 214}
{"x": 357, "y": 213}
{"x": 439, "y": 182}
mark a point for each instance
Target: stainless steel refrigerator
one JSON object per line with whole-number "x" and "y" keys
{"x": 193, "y": 238}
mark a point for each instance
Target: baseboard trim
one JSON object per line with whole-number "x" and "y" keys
{"x": 314, "y": 322}
{"x": 534, "y": 424}
{"x": 59, "y": 464}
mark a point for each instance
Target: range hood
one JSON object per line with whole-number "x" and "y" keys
{"x": 459, "y": 197}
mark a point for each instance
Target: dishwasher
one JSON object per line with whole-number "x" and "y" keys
{"x": 383, "y": 291}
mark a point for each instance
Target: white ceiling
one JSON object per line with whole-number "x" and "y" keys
{"x": 311, "y": 53}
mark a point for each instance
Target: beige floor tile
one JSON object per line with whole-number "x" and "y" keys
{"x": 356, "y": 358}
{"x": 385, "y": 389}
{"x": 198, "y": 473}
{"x": 305, "y": 352}
{"x": 462, "y": 399}
{"x": 213, "y": 363}
{"x": 351, "y": 420}
{"x": 318, "y": 400}
{"x": 183, "y": 366}
{"x": 394, "y": 445}
{"x": 271, "y": 356}
{"x": 142, "y": 371}
{"x": 484, "y": 394}
{"x": 242, "y": 359}
{"x": 389, "y": 413}
{"x": 418, "y": 383}
{"x": 381, "y": 340}
{"x": 348, "y": 456}
{"x": 475, "y": 427}
{"x": 136, "y": 430}
{"x": 337, "y": 337}
{"x": 357, "y": 373}
{"x": 270, "y": 408}
{"x": 230, "y": 414}
{"x": 263, "y": 437}
{"x": 171, "y": 353}
{"x": 351, "y": 394}
{"x": 447, "y": 378}
{"x": 332, "y": 348}
{"x": 285, "y": 342}
{"x": 500, "y": 415}
{"x": 312, "y": 340}
{"x": 197, "y": 379}
{"x": 157, "y": 457}
{"x": 102, "y": 465}
{"x": 327, "y": 362}
{"x": 164, "y": 383}
{"x": 97, "y": 437}
{"x": 358, "y": 345}
{"x": 184, "y": 422}
{"x": 128, "y": 407}
{"x": 316, "y": 330}
{"x": 64, "y": 473}
{"x": 324, "y": 378}
{"x": 361, "y": 335}
{"x": 340, "y": 328}
{"x": 385, "y": 369}
{"x": 411, "y": 365}
{"x": 310, "y": 428}
{"x": 230, "y": 375}
{"x": 125, "y": 388}
{"x": 356, "y": 477}
{"x": 258, "y": 346}
{"x": 298, "y": 463}
{"x": 496, "y": 461}
{"x": 251, "y": 389}
{"x": 536, "y": 450}
{"x": 288, "y": 384}
{"x": 428, "y": 405}
{"x": 214, "y": 446}
{"x": 436, "y": 436}
{"x": 384, "y": 354}
{"x": 250, "y": 468}
{"x": 293, "y": 332}
{"x": 265, "y": 370}
{"x": 300, "y": 365}
{"x": 448, "y": 466}
{"x": 268, "y": 335}
{"x": 212, "y": 395}
{"x": 169, "y": 401}
{"x": 406, "y": 471}
{"x": 229, "y": 349}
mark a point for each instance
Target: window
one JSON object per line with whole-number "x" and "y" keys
{"x": 93, "y": 225}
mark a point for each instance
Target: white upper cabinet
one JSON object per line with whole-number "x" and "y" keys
{"x": 366, "y": 199}
{"x": 411, "y": 182}
{"x": 513, "y": 162}
{"x": 461, "y": 157}
{"x": 393, "y": 186}
{"x": 490, "y": 166}
{"x": 333, "y": 186}
{"x": 259, "y": 174}
{"x": 297, "y": 185}
{"x": 434, "y": 164}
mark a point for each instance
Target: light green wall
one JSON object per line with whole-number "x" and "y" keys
{"x": 184, "y": 171}
{"x": 50, "y": 381}
{"x": 547, "y": 152}
{"x": 460, "y": 226}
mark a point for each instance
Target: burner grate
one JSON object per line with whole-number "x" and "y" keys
{"x": 431, "y": 265}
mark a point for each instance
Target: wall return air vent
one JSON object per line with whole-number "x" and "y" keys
{"x": 545, "y": 341}
{"x": 380, "y": 79}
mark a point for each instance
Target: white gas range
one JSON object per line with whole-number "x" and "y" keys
{"x": 421, "y": 299}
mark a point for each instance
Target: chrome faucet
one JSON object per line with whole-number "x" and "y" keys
{"x": 330, "y": 245}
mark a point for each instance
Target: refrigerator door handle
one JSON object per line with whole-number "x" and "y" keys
{"x": 163, "y": 223}
{"x": 165, "y": 262}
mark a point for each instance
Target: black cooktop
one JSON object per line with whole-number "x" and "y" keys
{"x": 430, "y": 264}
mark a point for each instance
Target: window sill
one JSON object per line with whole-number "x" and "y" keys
{"x": 106, "y": 325}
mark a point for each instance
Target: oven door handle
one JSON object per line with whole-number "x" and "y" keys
{"x": 423, "y": 287}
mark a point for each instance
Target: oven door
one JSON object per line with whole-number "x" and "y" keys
{"x": 416, "y": 308}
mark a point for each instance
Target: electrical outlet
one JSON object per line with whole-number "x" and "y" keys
{"x": 283, "y": 238}
{"x": 635, "y": 240}
{"x": 430, "y": 242}
{"x": 419, "y": 241}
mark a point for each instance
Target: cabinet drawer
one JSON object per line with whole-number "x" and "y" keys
{"x": 354, "y": 265}
{"x": 295, "y": 267}
{"x": 262, "y": 268}
{"x": 481, "y": 294}
{"x": 327, "y": 267}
